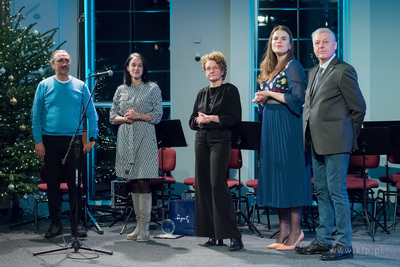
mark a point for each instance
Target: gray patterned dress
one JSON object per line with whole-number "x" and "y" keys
{"x": 137, "y": 152}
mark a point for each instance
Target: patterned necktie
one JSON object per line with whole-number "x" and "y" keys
{"x": 317, "y": 77}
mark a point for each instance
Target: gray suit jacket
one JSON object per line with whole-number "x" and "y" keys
{"x": 334, "y": 112}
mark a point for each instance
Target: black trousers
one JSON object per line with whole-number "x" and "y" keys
{"x": 56, "y": 147}
{"x": 215, "y": 214}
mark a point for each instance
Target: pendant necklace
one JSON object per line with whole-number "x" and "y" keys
{"x": 212, "y": 96}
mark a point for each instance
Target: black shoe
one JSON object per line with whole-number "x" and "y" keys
{"x": 236, "y": 244}
{"x": 54, "y": 230}
{"x": 80, "y": 231}
{"x": 338, "y": 252}
{"x": 314, "y": 248}
{"x": 213, "y": 242}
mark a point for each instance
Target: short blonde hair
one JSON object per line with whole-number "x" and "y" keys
{"x": 219, "y": 58}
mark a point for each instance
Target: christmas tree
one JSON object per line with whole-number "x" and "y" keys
{"x": 24, "y": 62}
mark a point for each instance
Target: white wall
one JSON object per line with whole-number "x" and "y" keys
{"x": 221, "y": 26}
{"x": 374, "y": 54}
{"x": 358, "y": 47}
{"x": 385, "y": 58}
{"x": 49, "y": 14}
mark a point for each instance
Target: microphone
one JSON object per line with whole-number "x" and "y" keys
{"x": 107, "y": 73}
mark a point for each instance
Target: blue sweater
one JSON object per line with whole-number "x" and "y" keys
{"x": 58, "y": 106}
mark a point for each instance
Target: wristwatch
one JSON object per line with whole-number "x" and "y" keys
{"x": 92, "y": 139}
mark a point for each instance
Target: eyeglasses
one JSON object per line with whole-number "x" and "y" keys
{"x": 212, "y": 68}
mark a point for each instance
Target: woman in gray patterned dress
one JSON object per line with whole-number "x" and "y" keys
{"x": 136, "y": 109}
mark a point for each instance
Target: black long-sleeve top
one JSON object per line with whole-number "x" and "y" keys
{"x": 223, "y": 101}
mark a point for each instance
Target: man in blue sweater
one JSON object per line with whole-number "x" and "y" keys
{"x": 57, "y": 108}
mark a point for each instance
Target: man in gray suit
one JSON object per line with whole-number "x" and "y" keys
{"x": 333, "y": 113}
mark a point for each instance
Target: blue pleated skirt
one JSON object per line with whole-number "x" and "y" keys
{"x": 284, "y": 177}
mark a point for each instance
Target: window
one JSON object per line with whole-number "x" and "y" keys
{"x": 302, "y": 17}
{"x": 115, "y": 29}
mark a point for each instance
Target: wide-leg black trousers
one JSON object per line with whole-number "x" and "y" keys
{"x": 215, "y": 214}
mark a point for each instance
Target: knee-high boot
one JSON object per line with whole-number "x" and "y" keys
{"x": 136, "y": 208}
{"x": 145, "y": 216}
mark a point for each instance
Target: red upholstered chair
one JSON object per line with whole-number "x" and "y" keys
{"x": 42, "y": 187}
{"x": 396, "y": 207}
{"x": 390, "y": 179}
{"x": 396, "y": 212}
{"x": 235, "y": 163}
{"x": 163, "y": 185}
{"x": 189, "y": 182}
{"x": 253, "y": 185}
{"x": 355, "y": 181}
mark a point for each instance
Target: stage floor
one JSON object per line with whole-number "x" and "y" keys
{"x": 17, "y": 245}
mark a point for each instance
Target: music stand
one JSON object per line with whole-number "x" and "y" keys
{"x": 372, "y": 141}
{"x": 247, "y": 136}
{"x": 169, "y": 134}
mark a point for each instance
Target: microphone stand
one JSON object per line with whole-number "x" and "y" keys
{"x": 75, "y": 143}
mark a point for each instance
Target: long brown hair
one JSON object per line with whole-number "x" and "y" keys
{"x": 270, "y": 66}
{"x": 127, "y": 75}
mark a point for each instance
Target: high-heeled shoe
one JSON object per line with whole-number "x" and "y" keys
{"x": 285, "y": 247}
{"x": 276, "y": 245}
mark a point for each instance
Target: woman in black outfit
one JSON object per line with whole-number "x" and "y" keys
{"x": 216, "y": 110}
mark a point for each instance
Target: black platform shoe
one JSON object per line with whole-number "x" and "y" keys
{"x": 213, "y": 242}
{"x": 236, "y": 244}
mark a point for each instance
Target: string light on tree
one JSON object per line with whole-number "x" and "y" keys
{"x": 24, "y": 62}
